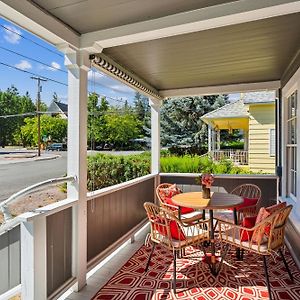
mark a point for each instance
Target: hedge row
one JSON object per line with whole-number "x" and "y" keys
{"x": 106, "y": 170}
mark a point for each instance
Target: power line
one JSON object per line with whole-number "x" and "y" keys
{"x": 53, "y": 80}
{"x": 35, "y": 60}
{"x": 34, "y": 74}
{"x": 32, "y": 41}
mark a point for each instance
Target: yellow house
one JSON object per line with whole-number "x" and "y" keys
{"x": 254, "y": 115}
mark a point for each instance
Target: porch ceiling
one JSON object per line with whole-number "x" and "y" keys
{"x": 174, "y": 45}
{"x": 249, "y": 52}
{"x": 90, "y": 15}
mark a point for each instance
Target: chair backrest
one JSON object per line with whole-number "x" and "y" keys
{"x": 277, "y": 228}
{"x": 160, "y": 219}
{"x": 160, "y": 192}
{"x": 271, "y": 229}
{"x": 248, "y": 191}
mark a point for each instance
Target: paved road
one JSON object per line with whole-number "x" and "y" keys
{"x": 16, "y": 176}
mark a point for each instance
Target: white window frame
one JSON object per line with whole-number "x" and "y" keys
{"x": 291, "y": 189}
{"x": 272, "y": 148}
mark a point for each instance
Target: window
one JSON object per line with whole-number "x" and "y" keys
{"x": 291, "y": 147}
{"x": 272, "y": 142}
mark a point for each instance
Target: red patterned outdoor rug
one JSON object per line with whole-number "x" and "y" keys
{"x": 242, "y": 280}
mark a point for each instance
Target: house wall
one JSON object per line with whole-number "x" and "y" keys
{"x": 293, "y": 228}
{"x": 261, "y": 120}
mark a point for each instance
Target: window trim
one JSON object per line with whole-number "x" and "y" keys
{"x": 270, "y": 142}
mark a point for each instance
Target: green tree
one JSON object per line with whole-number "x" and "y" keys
{"x": 56, "y": 127}
{"x": 142, "y": 111}
{"x": 122, "y": 127}
{"x": 181, "y": 123}
{"x": 96, "y": 119}
{"x": 15, "y": 107}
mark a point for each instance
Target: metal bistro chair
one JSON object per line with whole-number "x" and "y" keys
{"x": 164, "y": 192}
{"x": 264, "y": 238}
{"x": 169, "y": 232}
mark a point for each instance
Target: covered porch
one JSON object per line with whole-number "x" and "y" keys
{"x": 183, "y": 48}
{"x": 233, "y": 116}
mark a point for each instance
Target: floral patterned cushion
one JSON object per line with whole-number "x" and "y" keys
{"x": 169, "y": 192}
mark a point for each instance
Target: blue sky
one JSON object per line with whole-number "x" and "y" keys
{"x": 45, "y": 60}
{"x": 48, "y": 62}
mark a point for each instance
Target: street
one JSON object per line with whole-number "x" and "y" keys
{"x": 16, "y": 176}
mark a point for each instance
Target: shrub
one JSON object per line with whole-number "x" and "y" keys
{"x": 106, "y": 170}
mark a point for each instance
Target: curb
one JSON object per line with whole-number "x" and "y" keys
{"x": 6, "y": 162}
{"x": 47, "y": 158}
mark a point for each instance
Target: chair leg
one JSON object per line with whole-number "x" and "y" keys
{"x": 174, "y": 271}
{"x": 149, "y": 259}
{"x": 267, "y": 276}
{"x": 286, "y": 265}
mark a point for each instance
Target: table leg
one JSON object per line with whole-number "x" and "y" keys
{"x": 235, "y": 218}
{"x": 212, "y": 242}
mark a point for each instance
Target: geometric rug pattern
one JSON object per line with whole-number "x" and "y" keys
{"x": 237, "y": 280}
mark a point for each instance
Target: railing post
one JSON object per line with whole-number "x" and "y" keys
{"x": 34, "y": 259}
{"x": 78, "y": 65}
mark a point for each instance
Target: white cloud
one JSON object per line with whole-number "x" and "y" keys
{"x": 23, "y": 65}
{"x": 12, "y": 34}
{"x": 54, "y": 66}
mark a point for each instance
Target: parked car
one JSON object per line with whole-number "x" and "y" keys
{"x": 105, "y": 146}
{"x": 57, "y": 147}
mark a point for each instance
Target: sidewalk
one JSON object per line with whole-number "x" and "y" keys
{"x": 9, "y": 156}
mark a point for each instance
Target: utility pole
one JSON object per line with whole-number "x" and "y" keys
{"x": 38, "y": 102}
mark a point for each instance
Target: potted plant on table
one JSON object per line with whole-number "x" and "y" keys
{"x": 206, "y": 180}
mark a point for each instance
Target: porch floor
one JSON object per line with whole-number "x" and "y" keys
{"x": 98, "y": 279}
{"x": 237, "y": 280}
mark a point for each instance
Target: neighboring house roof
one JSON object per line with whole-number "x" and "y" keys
{"x": 58, "y": 108}
{"x": 259, "y": 97}
{"x": 238, "y": 109}
{"x": 231, "y": 110}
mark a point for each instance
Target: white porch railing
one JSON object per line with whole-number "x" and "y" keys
{"x": 43, "y": 242}
{"x": 239, "y": 157}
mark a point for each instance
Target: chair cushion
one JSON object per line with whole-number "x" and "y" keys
{"x": 184, "y": 210}
{"x": 262, "y": 214}
{"x": 168, "y": 192}
{"x": 247, "y": 222}
{"x": 229, "y": 236}
{"x": 175, "y": 229}
{"x": 271, "y": 210}
{"x": 247, "y": 202}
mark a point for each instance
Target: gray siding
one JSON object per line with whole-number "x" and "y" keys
{"x": 59, "y": 249}
{"x": 10, "y": 259}
{"x": 111, "y": 216}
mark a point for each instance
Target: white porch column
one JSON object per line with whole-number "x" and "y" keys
{"x": 209, "y": 138}
{"x": 155, "y": 135}
{"x": 218, "y": 139}
{"x": 246, "y": 140}
{"x": 213, "y": 139}
{"x": 78, "y": 65}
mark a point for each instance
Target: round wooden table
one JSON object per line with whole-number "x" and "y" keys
{"x": 216, "y": 202}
